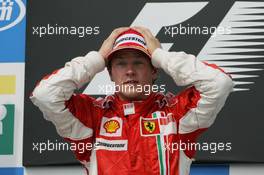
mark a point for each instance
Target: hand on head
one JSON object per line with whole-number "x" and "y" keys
{"x": 108, "y": 43}
{"x": 151, "y": 41}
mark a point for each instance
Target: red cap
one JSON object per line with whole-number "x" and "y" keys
{"x": 130, "y": 39}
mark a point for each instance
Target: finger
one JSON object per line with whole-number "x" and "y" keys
{"x": 140, "y": 27}
{"x": 144, "y": 31}
{"x": 117, "y": 32}
{"x": 140, "y": 30}
{"x": 143, "y": 28}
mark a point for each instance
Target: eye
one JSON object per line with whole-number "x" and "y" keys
{"x": 138, "y": 62}
{"x": 121, "y": 63}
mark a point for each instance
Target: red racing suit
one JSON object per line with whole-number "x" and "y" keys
{"x": 140, "y": 137}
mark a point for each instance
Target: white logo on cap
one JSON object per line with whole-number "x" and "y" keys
{"x": 131, "y": 38}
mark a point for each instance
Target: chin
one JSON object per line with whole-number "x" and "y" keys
{"x": 132, "y": 96}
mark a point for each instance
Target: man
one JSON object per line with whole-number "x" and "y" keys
{"x": 133, "y": 132}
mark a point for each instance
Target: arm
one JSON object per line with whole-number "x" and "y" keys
{"x": 74, "y": 116}
{"x": 54, "y": 95}
{"x": 209, "y": 91}
{"x": 198, "y": 105}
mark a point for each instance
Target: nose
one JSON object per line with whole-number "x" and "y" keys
{"x": 130, "y": 70}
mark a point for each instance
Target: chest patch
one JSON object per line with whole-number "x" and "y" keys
{"x": 158, "y": 123}
{"x": 129, "y": 108}
{"x": 149, "y": 126}
{"x": 111, "y": 127}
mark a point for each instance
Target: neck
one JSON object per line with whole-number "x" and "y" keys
{"x": 133, "y": 98}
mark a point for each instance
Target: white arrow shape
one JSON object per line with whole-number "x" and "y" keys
{"x": 221, "y": 49}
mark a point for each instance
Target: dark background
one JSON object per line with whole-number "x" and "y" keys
{"x": 240, "y": 122}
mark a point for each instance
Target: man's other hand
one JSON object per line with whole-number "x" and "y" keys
{"x": 151, "y": 41}
{"x": 108, "y": 44}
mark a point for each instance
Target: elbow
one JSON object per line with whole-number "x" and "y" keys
{"x": 44, "y": 94}
{"x": 39, "y": 94}
{"x": 47, "y": 101}
{"x": 223, "y": 85}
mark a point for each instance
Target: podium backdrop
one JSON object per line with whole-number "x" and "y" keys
{"x": 228, "y": 33}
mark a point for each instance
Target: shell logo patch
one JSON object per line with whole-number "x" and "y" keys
{"x": 111, "y": 126}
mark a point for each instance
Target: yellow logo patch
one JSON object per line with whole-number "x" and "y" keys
{"x": 149, "y": 126}
{"x": 111, "y": 126}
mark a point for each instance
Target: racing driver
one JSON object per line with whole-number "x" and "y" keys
{"x": 132, "y": 131}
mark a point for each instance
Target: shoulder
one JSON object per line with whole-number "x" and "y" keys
{"x": 104, "y": 102}
{"x": 187, "y": 97}
{"x": 168, "y": 99}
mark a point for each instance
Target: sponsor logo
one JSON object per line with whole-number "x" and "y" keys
{"x": 7, "y": 129}
{"x": 6, "y": 10}
{"x": 11, "y": 13}
{"x": 131, "y": 38}
{"x": 129, "y": 108}
{"x": 7, "y": 84}
{"x": 111, "y": 126}
{"x": 149, "y": 126}
{"x": 159, "y": 123}
{"x": 111, "y": 145}
{"x": 3, "y": 113}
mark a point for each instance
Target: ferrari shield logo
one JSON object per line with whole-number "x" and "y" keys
{"x": 149, "y": 126}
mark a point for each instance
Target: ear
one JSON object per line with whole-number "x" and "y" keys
{"x": 110, "y": 74}
{"x": 154, "y": 73}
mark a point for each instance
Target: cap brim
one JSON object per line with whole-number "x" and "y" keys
{"x": 129, "y": 47}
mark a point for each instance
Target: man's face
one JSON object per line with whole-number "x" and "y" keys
{"x": 133, "y": 74}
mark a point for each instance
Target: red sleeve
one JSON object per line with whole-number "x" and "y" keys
{"x": 81, "y": 106}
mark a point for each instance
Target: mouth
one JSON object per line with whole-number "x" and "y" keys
{"x": 130, "y": 82}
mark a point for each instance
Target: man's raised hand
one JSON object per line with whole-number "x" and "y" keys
{"x": 108, "y": 43}
{"x": 151, "y": 41}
